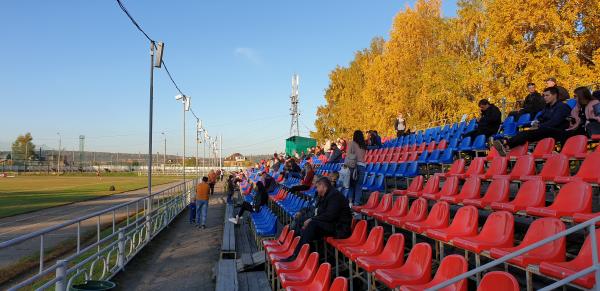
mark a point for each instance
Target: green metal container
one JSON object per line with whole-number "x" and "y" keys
{"x": 298, "y": 144}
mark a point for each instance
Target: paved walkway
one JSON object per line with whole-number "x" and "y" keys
{"x": 15, "y": 226}
{"x": 181, "y": 257}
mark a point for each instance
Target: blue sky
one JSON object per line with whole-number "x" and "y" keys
{"x": 80, "y": 67}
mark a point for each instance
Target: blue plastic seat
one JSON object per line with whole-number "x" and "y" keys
{"x": 465, "y": 144}
{"x": 391, "y": 170}
{"x": 524, "y": 119}
{"x": 571, "y": 102}
{"x": 479, "y": 143}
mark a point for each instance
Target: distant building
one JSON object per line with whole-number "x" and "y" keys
{"x": 235, "y": 160}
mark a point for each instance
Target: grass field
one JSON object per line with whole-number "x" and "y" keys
{"x": 28, "y": 193}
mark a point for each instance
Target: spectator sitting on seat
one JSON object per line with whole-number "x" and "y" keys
{"x": 261, "y": 198}
{"x": 333, "y": 217}
{"x": 563, "y": 94}
{"x": 336, "y": 154}
{"x": 583, "y": 117}
{"x": 551, "y": 123}
{"x": 268, "y": 181}
{"x": 306, "y": 182}
{"x": 292, "y": 169}
{"x": 489, "y": 122}
{"x": 533, "y": 103}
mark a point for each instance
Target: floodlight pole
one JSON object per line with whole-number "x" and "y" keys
{"x": 197, "y": 142}
{"x": 150, "y": 123}
{"x": 58, "y": 160}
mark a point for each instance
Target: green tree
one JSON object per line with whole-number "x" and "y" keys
{"x": 23, "y": 148}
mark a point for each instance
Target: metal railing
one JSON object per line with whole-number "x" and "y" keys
{"x": 595, "y": 267}
{"x": 121, "y": 232}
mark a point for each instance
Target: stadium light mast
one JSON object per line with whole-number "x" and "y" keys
{"x": 198, "y": 132}
{"x": 294, "y": 112}
{"x": 186, "y": 107}
{"x": 58, "y": 159}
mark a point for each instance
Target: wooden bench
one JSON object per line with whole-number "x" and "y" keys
{"x": 227, "y": 279}
{"x": 228, "y": 245}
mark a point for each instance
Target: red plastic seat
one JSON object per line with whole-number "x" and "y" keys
{"x": 416, "y": 270}
{"x": 278, "y": 256}
{"x": 358, "y": 236}
{"x": 575, "y": 145}
{"x": 371, "y": 203}
{"x": 457, "y": 168}
{"x": 279, "y": 240}
{"x": 449, "y": 188}
{"x": 588, "y": 171}
{"x": 561, "y": 270}
{"x": 438, "y": 218}
{"x": 400, "y": 208}
{"x": 497, "y": 191}
{"x": 492, "y": 154}
{"x": 450, "y": 267}
{"x": 543, "y": 147}
{"x": 498, "y": 281}
{"x": 417, "y": 212}
{"x": 464, "y": 223}
{"x": 476, "y": 167}
{"x": 295, "y": 265}
{"x": 319, "y": 282}
{"x": 530, "y": 194}
{"x": 518, "y": 151}
{"x": 282, "y": 247}
{"x": 415, "y": 185}
{"x": 574, "y": 197}
{"x": 372, "y": 245}
{"x": 583, "y": 217}
{"x": 392, "y": 255}
{"x": 525, "y": 166}
{"x": 339, "y": 284}
{"x": 432, "y": 185}
{"x": 498, "y": 231}
{"x": 303, "y": 276}
{"x": 442, "y": 145}
{"x": 555, "y": 166}
{"x": 497, "y": 167}
{"x": 384, "y": 204}
{"x": 539, "y": 229}
{"x": 469, "y": 190}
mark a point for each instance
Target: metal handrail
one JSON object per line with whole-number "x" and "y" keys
{"x": 595, "y": 264}
{"x": 37, "y": 233}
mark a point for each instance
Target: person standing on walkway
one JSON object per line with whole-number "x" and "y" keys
{"x": 212, "y": 180}
{"x": 202, "y": 194}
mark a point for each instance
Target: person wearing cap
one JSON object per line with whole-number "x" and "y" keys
{"x": 563, "y": 94}
{"x": 336, "y": 154}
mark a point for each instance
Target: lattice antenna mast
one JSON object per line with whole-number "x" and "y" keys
{"x": 294, "y": 112}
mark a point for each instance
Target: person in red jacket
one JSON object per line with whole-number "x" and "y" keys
{"x": 306, "y": 182}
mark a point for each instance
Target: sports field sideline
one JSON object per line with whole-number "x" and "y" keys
{"x": 28, "y": 193}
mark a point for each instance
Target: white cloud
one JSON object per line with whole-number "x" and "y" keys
{"x": 249, "y": 54}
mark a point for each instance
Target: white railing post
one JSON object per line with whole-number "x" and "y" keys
{"x": 121, "y": 245}
{"x": 61, "y": 276}
{"x": 594, "y": 240}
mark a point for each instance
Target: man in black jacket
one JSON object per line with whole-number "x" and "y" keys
{"x": 551, "y": 123}
{"x": 336, "y": 154}
{"x": 333, "y": 217}
{"x": 533, "y": 103}
{"x": 489, "y": 122}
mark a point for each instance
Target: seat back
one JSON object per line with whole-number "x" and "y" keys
{"x": 575, "y": 145}
{"x": 457, "y": 167}
{"x": 574, "y": 197}
{"x": 400, "y": 207}
{"x": 311, "y": 265}
{"x": 479, "y": 143}
{"x": 394, "y": 248}
{"x": 432, "y": 185}
{"x": 498, "y": 281}
{"x": 524, "y": 166}
{"x": 543, "y": 147}
{"x": 584, "y": 257}
{"x": 359, "y": 232}
{"x": 466, "y": 220}
{"x": 470, "y": 188}
{"x": 450, "y": 187}
{"x": 500, "y": 227}
{"x": 543, "y": 228}
{"x": 418, "y": 208}
{"x": 385, "y": 203}
{"x": 497, "y": 166}
{"x": 439, "y": 214}
{"x": 323, "y": 276}
{"x": 476, "y": 167}
{"x": 555, "y": 166}
{"x": 430, "y": 146}
{"x": 524, "y": 119}
{"x": 450, "y": 267}
{"x": 288, "y": 239}
{"x": 531, "y": 193}
{"x": 419, "y": 260}
{"x": 442, "y": 144}
{"x": 373, "y": 200}
{"x": 497, "y": 191}
{"x": 374, "y": 241}
{"x": 283, "y": 233}
{"x": 339, "y": 284}
{"x": 416, "y": 184}
{"x": 589, "y": 168}
{"x": 465, "y": 143}
{"x": 518, "y": 151}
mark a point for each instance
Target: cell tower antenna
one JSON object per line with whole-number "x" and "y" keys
{"x": 294, "y": 112}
